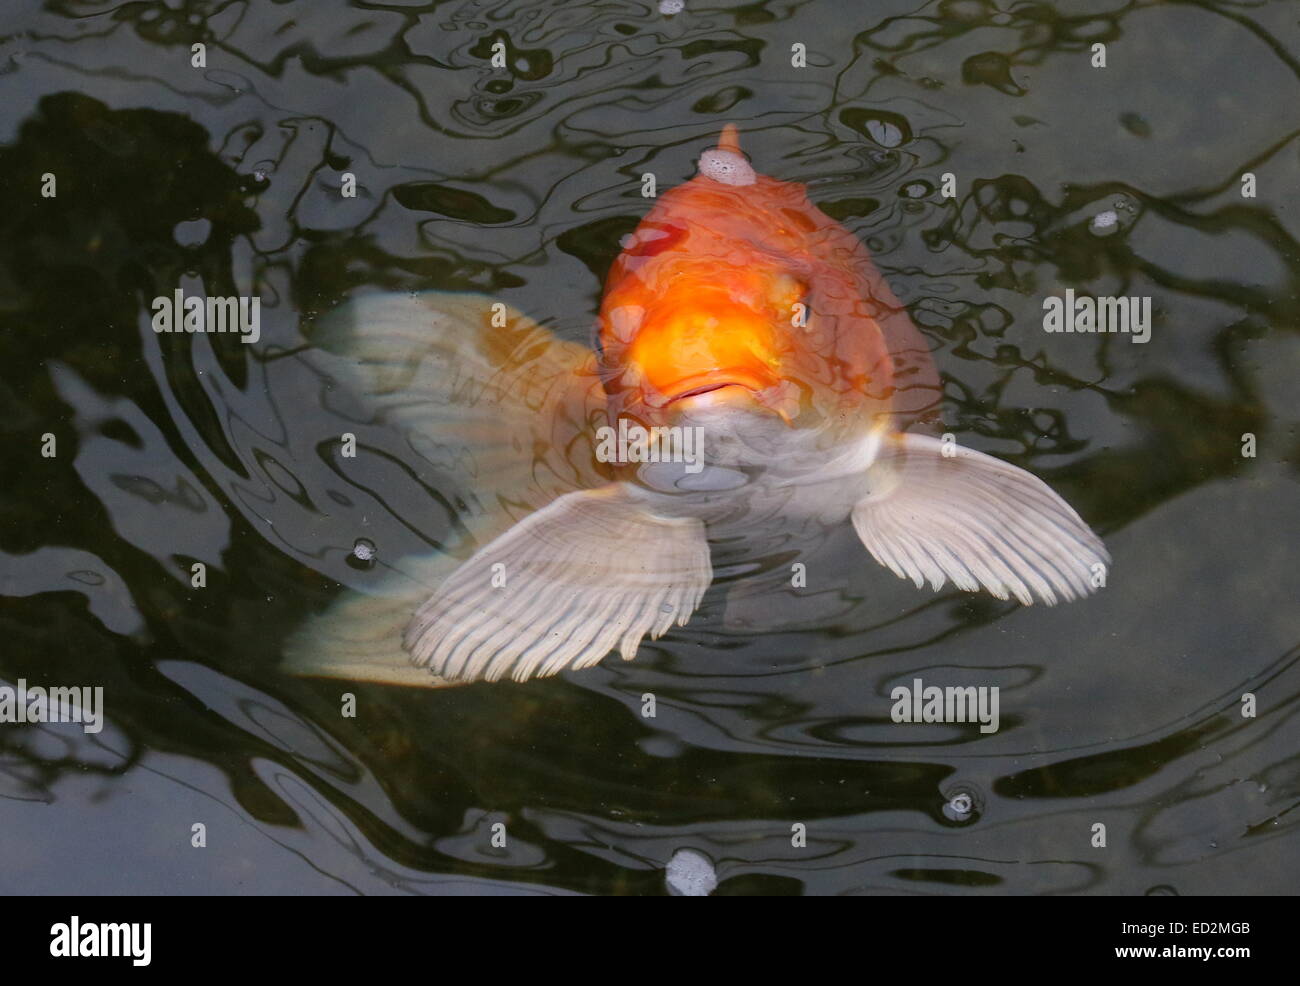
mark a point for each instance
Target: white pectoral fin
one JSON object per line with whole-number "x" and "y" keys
{"x": 977, "y": 521}
{"x": 591, "y": 571}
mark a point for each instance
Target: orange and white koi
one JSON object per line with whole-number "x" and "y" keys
{"x": 742, "y": 313}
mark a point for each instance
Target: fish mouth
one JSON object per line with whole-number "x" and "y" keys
{"x": 697, "y": 386}
{"x": 699, "y": 391}
{"x": 738, "y": 391}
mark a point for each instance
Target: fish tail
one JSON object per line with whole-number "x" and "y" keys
{"x": 488, "y": 397}
{"x": 493, "y": 404}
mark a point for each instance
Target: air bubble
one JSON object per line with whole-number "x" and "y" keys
{"x": 1105, "y": 220}
{"x": 363, "y": 554}
{"x": 962, "y": 804}
{"x": 690, "y": 874}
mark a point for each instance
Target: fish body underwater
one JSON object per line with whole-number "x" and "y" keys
{"x": 769, "y": 380}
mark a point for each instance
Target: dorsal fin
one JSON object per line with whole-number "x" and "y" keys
{"x": 729, "y": 139}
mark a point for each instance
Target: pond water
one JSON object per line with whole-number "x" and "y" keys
{"x": 772, "y": 751}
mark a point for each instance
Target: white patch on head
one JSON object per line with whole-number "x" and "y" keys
{"x": 726, "y": 167}
{"x": 625, "y": 320}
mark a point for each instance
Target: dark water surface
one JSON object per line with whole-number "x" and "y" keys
{"x": 1124, "y": 709}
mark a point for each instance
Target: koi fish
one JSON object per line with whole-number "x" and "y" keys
{"x": 749, "y": 338}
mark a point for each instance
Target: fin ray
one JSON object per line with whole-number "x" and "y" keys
{"x": 592, "y": 570}
{"x": 976, "y": 521}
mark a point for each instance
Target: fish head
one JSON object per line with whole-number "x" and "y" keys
{"x": 691, "y": 324}
{"x": 736, "y": 295}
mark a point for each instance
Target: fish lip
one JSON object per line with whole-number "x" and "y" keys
{"x": 707, "y": 383}
{"x": 704, "y": 389}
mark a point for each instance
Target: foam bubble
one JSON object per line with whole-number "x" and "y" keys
{"x": 690, "y": 874}
{"x": 1105, "y": 220}
{"x": 726, "y": 167}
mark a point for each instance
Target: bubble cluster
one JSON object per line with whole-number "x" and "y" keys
{"x": 726, "y": 167}
{"x": 362, "y": 554}
{"x": 690, "y": 874}
{"x": 1104, "y": 221}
